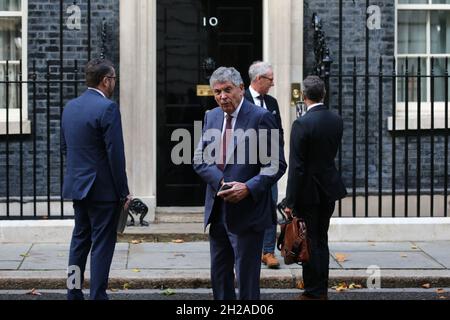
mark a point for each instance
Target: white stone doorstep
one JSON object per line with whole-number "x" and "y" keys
{"x": 341, "y": 230}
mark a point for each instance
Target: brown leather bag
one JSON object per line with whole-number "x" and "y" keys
{"x": 293, "y": 240}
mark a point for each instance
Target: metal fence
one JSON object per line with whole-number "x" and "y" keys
{"x": 393, "y": 158}
{"x": 394, "y": 155}
{"x": 31, "y": 158}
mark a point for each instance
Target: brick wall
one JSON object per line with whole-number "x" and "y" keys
{"x": 381, "y": 44}
{"x": 44, "y": 46}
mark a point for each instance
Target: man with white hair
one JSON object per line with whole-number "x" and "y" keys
{"x": 262, "y": 79}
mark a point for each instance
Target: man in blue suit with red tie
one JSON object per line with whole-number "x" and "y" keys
{"x": 229, "y": 156}
{"x": 95, "y": 178}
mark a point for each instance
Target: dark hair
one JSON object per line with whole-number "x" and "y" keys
{"x": 314, "y": 88}
{"x": 96, "y": 70}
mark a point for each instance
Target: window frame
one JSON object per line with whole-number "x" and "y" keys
{"x": 14, "y": 114}
{"x": 438, "y": 106}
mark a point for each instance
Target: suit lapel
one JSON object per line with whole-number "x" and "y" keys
{"x": 249, "y": 96}
{"x": 217, "y": 121}
{"x": 270, "y": 107}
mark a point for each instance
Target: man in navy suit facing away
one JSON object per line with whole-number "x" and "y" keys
{"x": 239, "y": 215}
{"x": 314, "y": 183}
{"x": 95, "y": 178}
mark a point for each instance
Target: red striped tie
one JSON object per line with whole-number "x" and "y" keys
{"x": 225, "y": 140}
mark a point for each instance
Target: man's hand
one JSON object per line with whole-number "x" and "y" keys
{"x": 288, "y": 212}
{"x": 237, "y": 193}
{"x": 128, "y": 201}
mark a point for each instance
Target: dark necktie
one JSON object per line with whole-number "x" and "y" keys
{"x": 261, "y": 98}
{"x": 225, "y": 140}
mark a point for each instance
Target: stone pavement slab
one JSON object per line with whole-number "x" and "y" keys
{"x": 150, "y": 247}
{"x": 10, "y": 265}
{"x": 56, "y": 257}
{"x": 46, "y": 257}
{"x": 13, "y": 251}
{"x": 439, "y": 250}
{"x": 192, "y": 255}
{"x": 169, "y": 260}
{"x": 389, "y": 260}
{"x": 372, "y": 246}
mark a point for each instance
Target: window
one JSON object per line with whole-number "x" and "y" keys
{"x": 422, "y": 40}
{"x": 13, "y": 40}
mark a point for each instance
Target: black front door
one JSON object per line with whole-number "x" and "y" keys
{"x": 195, "y": 37}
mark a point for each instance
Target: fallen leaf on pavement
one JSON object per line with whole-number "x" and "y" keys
{"x": 426, "y": 286}
{"x": 168, "y": 292}
{"x": 340, "y": 287}
{"x": 136, "y": 241}
{"x": 440, "y": 291}
{"x": 178, "y": 241}
{"x": 355, "y": 286}
{"x": 34, "y": 292}
{"x": 25, "y": 255}
{"x": 136, "y": 270}
{"x": 414, "y": 247}
{"x": 126, "y": 286}
{"x": 404, "y": 256}
{"x": 340, "y": 257}
{"x": 300, "y": 285}
{"x": 114, "y": 290}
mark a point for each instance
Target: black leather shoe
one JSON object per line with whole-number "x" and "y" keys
{"x": 306, "y": 296}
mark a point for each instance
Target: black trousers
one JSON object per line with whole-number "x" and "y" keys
{"x": 316, "y": 271}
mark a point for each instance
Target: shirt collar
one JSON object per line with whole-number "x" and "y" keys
{"x": 314, "y": 105}
{"x": 95, "y": 89}
{"x": 236, "y": 112}
{"x": 255, "y": 94}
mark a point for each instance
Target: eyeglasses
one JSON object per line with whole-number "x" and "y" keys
{"x": 265, "y": 77}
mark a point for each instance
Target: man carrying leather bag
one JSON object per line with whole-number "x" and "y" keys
{"x": 314, "y": 183}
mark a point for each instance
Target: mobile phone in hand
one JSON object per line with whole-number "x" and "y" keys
{"x": 225, "y": 187}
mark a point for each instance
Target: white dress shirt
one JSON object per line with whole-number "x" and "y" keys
{"x": 255, "y": 95}
{"x": 234, "y": 115}
{"x": 95, "y": 89}
{"x": 314, "y": 105}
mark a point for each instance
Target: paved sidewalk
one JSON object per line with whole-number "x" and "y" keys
{"x": 148, "y": 265}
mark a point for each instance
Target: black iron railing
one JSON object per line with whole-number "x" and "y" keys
{"x": 393, "y": 163}
{"x": 393, "y": 158}
{"x": 31, "y": 157}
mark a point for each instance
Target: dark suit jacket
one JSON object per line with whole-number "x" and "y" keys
{"x": 313, "y": 176}
{"x": 271, "y": 105}
{"x": 92, "y": 138}
{"x": 255, "y": 211}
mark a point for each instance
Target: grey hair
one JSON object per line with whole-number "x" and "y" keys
{"x": 224, "y": 74}
{"x": 258, "y": 68}
{"x": 314, "y": 88}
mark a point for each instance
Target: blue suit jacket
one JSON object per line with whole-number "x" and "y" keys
{"x": 93, "y": 141}
{"x": 256, "y": 211}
